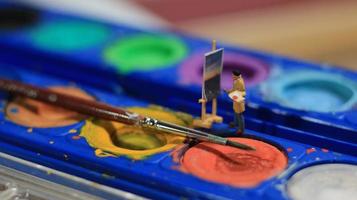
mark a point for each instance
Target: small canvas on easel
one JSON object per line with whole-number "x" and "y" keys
{"x": 212, "y": 74}
{"x": 211, "y": 87}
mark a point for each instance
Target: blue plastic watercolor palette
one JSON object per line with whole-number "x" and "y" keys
{"x": 297, "y": 106}
{"x": 282, "y": 91}
{"x": 155, "y": 176}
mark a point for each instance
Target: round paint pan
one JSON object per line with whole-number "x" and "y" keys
{"x": 253, "y": 70}
{"x": 116, "y": 139}
{"x": 69, "y": 35}
{"x": 145, "y": 53}
{"x": 45, "y": 118}
{"x": 17, "y": 17}
{"x": 232, "y": 166}
{"x": 324, "y": 182}
{"x": 312, "y": 91}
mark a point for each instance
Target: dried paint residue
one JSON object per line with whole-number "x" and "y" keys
{"x": 31, "y": 113}
{"x": 72, "y": 131}
{"x": 310, "y": 150}
{"x": 234, "y": 166}
{"x": 112, "y": 138}
{"x": 324, "y": 150}
{"x": 76, "y": 137}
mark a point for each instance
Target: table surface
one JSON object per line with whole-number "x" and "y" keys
{"x": 321, "y": 31}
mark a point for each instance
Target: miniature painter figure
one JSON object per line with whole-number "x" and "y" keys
{"x": 237, "y": 94}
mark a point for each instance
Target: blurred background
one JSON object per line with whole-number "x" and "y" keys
{"x": 318, "y": 30}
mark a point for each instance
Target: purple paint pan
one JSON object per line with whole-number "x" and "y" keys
{"x": 253, "y": 70}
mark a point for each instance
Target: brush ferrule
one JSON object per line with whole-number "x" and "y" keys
{"x": 217, "y": 139}
{"x": 148, "y": 122}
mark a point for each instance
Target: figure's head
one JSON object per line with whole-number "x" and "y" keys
{"x": 236, "y": 74}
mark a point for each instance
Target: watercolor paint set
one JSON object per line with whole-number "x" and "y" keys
{"x": 313, "y": 98}
{"x": 160, "y": 165}
{"x": 301, "y": 117}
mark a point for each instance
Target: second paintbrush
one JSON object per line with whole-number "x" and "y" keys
{"x": 104, "y": 111}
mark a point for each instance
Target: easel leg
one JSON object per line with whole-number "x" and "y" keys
{"x": 214, "y": 107}
{"x": 203, "y": 111}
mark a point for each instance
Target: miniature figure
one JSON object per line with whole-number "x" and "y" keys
{"x": 237, "y": 94}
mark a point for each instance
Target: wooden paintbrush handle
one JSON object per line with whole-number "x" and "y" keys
{"x": 83, "y": 106}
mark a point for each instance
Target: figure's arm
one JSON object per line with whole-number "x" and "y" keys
{"x": 243, "y": 86}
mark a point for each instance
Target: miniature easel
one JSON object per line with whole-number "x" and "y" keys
{"x": 206, "y": 120}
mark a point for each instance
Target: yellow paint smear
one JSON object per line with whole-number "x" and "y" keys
{"x": 131, "y": 141}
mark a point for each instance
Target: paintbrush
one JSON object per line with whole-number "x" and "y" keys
{"x": 104, "y": 111}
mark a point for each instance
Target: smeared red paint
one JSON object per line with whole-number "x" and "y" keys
{"x": 234, "y": 166}
{"x": 324, "y": 150}
{"x": 76, "y": 137}
{"x": 310, "y": 150}
{"x": 289, "y": 149}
